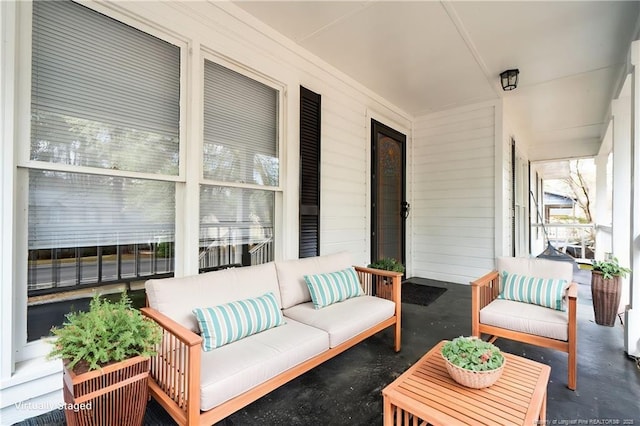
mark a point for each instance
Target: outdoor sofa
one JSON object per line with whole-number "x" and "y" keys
{"x": 199, "y": 378}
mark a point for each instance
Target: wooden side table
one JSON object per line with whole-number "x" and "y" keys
{"x": 425, "y": 393}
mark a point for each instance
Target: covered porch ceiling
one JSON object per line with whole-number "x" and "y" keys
{"x": 427, "y": 56}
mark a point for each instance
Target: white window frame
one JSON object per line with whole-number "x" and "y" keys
{"x": 212, "y": 56}
{"x": 23, "y": 350}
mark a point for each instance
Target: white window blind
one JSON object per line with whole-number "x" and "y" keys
{"x": 104, "y": 94}
{"x": 240, "y": 128}
{"x": 80, "y": 210}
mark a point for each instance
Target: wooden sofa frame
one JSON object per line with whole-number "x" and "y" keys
{"x": 175, "y": 371}
{"x": 485, "y": 289}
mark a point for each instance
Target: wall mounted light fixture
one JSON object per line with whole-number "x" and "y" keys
{"x": 509, "y": 79}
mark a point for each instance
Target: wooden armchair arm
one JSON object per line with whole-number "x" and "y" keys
{"x": 486, "y": 279}
{"x": 572, "y": 291}
{"x": 176, "y": 368}
{"x": 483, "y": 291}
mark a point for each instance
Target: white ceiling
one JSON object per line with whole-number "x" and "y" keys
{"x": 427, "y": 56}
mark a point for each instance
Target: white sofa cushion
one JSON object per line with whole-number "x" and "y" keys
{"x": 233, "y": 369}
{"x": 293, "y": 288}
{"x": 526, "y": 318}
{"x": 345, "y": 319}
{"x": 177, "y": 297}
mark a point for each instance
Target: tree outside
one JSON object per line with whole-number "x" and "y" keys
{"x": 579, "y": 186}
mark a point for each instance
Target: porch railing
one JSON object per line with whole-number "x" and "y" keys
{"x": 223, "y": 246}
{"x": 262, "y": 253}
{"x": 575, "y": 239}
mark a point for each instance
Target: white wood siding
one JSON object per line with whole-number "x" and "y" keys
{"x": 453, "y": 194}
{"x": 343, "y": 174}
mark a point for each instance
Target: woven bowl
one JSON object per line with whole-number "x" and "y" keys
{"x": 474, "y": 379}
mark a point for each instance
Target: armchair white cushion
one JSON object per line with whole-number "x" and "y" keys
{"x": 526, "y": 318}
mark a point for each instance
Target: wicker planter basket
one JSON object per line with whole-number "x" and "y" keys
{"x": 114, "y": 395}
{"x": 474, "y": 379}
{"x": 605, "y": 294}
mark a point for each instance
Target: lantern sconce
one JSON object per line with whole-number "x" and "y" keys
{"x": 509, "y": 79}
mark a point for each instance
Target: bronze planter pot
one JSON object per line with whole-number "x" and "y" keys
{"x": 606, "y": 298}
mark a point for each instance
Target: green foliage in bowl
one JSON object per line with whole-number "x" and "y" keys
{"x": 108, "y": 332}
{"x": 472, "y": 354}
{"x": 388, "y": 264}
{"x": 610, "y": 268}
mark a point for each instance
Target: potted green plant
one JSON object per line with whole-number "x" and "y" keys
{"x": 606, "y": 289}
{"x": 106, "y": 355}
{"x": 388, "y": 264}
{"x": 383, "y": 285}
{"x": 473, "y": 362}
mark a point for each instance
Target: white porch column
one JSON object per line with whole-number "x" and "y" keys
{"x": 621, "y": 109}
{"x": 602, "y": 217}
{"x": 632, "y": 313}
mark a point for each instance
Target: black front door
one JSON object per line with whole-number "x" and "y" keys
{"x": 389, "y": 208}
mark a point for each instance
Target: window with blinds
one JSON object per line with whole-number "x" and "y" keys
{"x": 104, "y": 96}
{"x": 240, "y": 128}
{"x": 241, "y": 122}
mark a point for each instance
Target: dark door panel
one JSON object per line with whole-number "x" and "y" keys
{"x": 389, "y": 207}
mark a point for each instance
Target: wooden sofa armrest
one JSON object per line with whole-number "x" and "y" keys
{"x": 386, "y": 285}
{"x": 181, "y": 332}
{"x": 176, "y": 368}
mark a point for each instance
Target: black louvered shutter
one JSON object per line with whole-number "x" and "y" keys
{"x": 309, "y": 173}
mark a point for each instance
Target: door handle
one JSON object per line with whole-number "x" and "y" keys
{"x": 404, "y": 209}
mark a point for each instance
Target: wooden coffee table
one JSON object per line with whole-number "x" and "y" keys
{"x": 426, "y": 394}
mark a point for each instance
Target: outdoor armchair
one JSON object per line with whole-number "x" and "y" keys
{"x": 529, "y": 300}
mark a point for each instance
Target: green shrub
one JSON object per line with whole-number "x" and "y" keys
{"x": 108, "y": 332}
{"x": 473, "y": 354}
{"x": 388, "y": 264}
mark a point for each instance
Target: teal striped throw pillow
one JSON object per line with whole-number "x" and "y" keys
{"x": 545, "y": 292}
{"x": 232, "y": 321}
{"x": 333, "y": 287}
